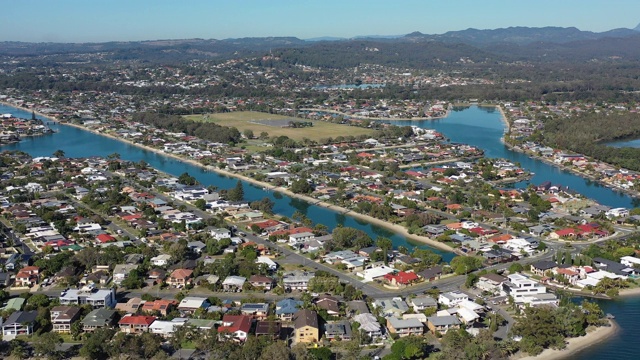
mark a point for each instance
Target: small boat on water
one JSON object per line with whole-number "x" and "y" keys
{"x": 610, "y": 316}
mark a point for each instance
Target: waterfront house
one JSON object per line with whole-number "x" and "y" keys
{"x": 62, "y": 317}
{"x": 19, "y": 323}
{"x": 306, "y": 329}
{"x": 519, "y": 286}
{"x": 97, "y": 319}
{"x": 135, "y": 324}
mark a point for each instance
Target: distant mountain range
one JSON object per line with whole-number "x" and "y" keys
{"x": 513, "y": 43}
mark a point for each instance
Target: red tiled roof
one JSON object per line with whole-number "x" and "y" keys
{"x": 137, "y": 320}
{"x": 238, "y": 322}
{"x": 402, "y": 277}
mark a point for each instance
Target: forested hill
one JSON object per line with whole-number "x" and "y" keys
{"x": 413, "y": 50}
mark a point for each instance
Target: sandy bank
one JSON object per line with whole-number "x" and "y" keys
{"x": 574, "y": 345}
{"x": 369, "y": 219}
{"x": 629, "y": 292}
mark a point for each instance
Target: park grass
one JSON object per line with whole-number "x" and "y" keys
{"x": 242, "y": 120}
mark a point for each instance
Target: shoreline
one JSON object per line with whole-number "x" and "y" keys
{"x": 629, "y": 292}
{"x": 576, "y": 344}
{"x": 398, "y": 229}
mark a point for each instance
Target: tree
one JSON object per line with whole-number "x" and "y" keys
{"x": 200, "y": 204}
{"x": 301, "y": 186}
{"x": 46, "y": 344}
{"x": 465, "y": 264}
{"x": 58, "y": 153}
{"x": 386, "y": 245}
{"x": 515, "y": 268}
{"x": 248, "y": 133}
{"x": 187, "y": 179}
{"x": 237, "y": 193}
{"x": 471, "y": 280}
{"x": 321, "y": 353}
{"x": 277, "y": 350}
{"x": 96, "y": 345}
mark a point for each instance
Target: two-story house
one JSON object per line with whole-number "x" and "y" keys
{"x": 62, "y": 317}
{"x": 135, "y": 324}
{"x": 405, "y": 327}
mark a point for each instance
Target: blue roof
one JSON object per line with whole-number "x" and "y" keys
{"x": 288, "y": 306}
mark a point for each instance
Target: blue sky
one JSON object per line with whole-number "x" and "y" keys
{"x": 109, "y": 20}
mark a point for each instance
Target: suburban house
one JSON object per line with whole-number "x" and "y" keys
{"x": 62, "y": 317}
{"x": 402, "y": 278}
{"x": 442, "y": 324}
{"x": 260, "y": 281}
{"x": 98, "y": 319}
{"x": 541, "y": 267}
{"x": 519, "y": 286}
{"x": 286, "y": 308}
{"x": 162, "y": 306}
{"x": 306, "y": 326}
{"x": 431, "y": 274}
{"x": 19, "y": 323}
{"x": 258, "y": 311}
{"x": 161, "y": 260}
{"x": 190, "y": 304}
{"x": 221, "y": 233}
{"x": 369, "y": 324}
{"x": 135, "y": 324}
{"x": 297, "y": 280}
{"x": 97, "y": 298}
{"x": 27, "y": 276}
{"x": 180, "y": 277}
{"x": 272, "y": 329}
{"x": 233, "y": 283}
{"x": 453, "y": 298}
{"x": 421, "y": 303}
{"x": 391, "y": 306}
{"x": 121, "y": 272}
{"x": 337, "y": 330}
{"x": 491, "y": 283}
{"x": 328, "y": 303}
{"x": 405, "y": 327}
{"x": 235, "y": 327}
{"x": 166, "y": 328}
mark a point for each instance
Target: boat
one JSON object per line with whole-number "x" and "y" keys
{"x": 610, "y": 316}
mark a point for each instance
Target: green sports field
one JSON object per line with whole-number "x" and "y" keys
{"x": 272, "y": 124}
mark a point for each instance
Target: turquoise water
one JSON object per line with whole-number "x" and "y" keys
{"x": 626, "y": 143}
{"x": 483, "y": 127}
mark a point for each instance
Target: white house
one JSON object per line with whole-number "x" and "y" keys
{"x": 161, "y": 260}
{"x": 617, "y": 212}
{"x": 267, "y": 261}
{"x": 629, "y": 261}
{"x": 453, "y": 298}
{"x": 519, "y": 286}
{"x": 221, "y": 233}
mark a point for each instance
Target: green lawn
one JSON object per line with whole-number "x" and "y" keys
{"x": 243, "y": 120}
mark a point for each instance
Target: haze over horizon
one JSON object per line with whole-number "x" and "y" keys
{"x": 122, "y": 20}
